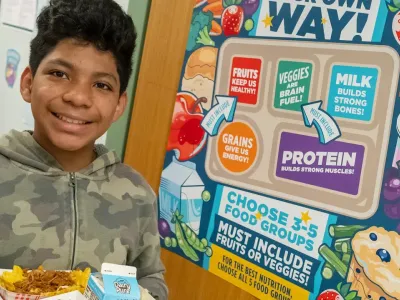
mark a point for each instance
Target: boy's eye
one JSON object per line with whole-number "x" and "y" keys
{"x": 59, "y": 74}
{"x": 103, "y": 86}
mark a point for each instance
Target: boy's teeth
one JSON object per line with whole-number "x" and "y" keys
{"x": 68, "y": 120}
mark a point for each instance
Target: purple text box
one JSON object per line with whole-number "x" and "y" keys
{"x": 336, "y": 166}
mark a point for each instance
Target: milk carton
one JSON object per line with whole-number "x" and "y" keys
{"x": 180, "y": 189}
{"x": 114, "y": 282}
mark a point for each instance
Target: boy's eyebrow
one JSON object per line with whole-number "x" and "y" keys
{"x": 104, "y": 74}
{"x": 59, "y": 61}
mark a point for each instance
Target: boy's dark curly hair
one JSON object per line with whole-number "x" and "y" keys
{"x": 102, "y": 23}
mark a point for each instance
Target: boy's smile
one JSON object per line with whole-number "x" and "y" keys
{"x": 70, "y": 123}
{"x": 71, "y": 119}
{"x": 75, "y": 96}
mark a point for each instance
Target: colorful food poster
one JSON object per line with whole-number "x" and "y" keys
{"x": 282, "y": 170}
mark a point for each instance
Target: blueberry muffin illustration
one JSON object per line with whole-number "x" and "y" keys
{"x": 375, "y": 266}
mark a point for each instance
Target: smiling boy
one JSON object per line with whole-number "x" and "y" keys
{"x": 64, "y": 201}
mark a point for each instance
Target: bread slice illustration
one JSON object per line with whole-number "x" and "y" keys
{"x": 200, "y": 74}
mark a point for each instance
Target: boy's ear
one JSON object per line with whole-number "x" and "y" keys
{"x": 122, "y": 102}
{"x": 26, "y": 84}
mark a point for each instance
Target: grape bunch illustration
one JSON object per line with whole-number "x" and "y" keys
{"x": 391, "y": 193}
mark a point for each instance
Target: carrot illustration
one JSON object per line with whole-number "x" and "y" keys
{"x": 216, "y": 8}
{"x": 216, "y": 29}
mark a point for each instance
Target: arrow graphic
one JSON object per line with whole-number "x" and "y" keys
{"x": 223, "y": 110}
{"x": 327, "y": 128}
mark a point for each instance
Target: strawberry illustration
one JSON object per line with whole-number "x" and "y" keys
{"x": 344, "y": 293}
{"x": 330, "y": 295}
{"x": 232, "y": 17}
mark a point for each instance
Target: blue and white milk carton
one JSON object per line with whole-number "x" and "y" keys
{"x": 115, "y": 282}
{"x": 181, "y": 188}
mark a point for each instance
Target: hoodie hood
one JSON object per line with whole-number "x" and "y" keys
{"x": 22, "y": 149}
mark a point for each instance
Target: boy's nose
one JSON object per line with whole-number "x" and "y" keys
{"x": 79, "y": 95}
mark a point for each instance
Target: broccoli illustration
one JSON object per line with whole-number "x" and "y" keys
{"x": 199, "y": 33}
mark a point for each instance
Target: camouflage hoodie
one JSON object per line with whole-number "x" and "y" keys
{"x": 104, "y": 213}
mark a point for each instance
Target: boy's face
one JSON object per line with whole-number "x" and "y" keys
{"x": 75, "y": 95}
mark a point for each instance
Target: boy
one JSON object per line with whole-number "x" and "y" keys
{"x": 64, "y": 201}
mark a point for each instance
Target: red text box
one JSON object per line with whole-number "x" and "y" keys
{"x": 245, "y": 79}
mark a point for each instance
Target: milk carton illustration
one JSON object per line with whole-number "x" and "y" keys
{"x": 181, "y": 188}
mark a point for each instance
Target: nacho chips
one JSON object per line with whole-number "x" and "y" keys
{"x": 44, "y": 283}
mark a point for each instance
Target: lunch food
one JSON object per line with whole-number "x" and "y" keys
{"x": 43, "y": 283}
{"x": 114, "y": 282}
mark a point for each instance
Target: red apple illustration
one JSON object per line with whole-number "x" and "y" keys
{"x": 187, "y": 138}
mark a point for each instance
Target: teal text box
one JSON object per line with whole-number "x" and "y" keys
{"x": 352, "y": 92}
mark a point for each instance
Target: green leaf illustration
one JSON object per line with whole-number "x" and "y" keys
{"x": 345, "y": 289}
{"x": 339, "y": 287}
{"x": 392, "y": 8}
{"x": 351, "y": 296}
{"x": 227, "y": 3}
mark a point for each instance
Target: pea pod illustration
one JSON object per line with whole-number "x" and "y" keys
{"x": 170, "y": 242}
{"x": 195, "y": 242}
{"x": 182, "y": 242}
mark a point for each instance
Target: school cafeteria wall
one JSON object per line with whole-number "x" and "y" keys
{"x": 14, "y": 44}
{"x": 117, "y": 134}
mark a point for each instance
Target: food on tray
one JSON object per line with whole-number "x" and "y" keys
{"x": 114, "y": 282}
{"x": 44, "y": 283}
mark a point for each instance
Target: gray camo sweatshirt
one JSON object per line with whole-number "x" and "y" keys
{"x": 104, "y": 213}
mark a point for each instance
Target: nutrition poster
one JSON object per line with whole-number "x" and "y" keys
{"x": 282, "y": 170}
